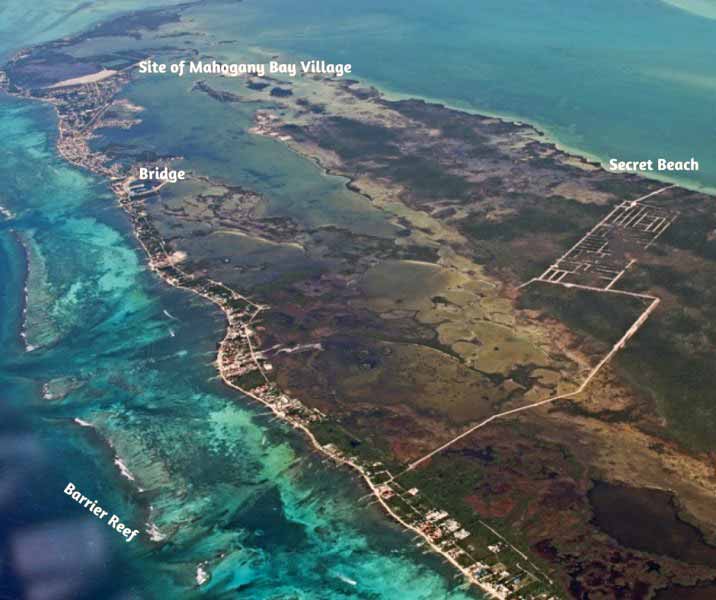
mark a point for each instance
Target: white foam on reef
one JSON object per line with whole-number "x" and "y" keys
{"x": 26, "y": 295}
{"x": 5, "y": 212}
{"x": 117, "y": 461}
{"x": 124, "y": 469}
{"x": 154, "y": 534}
{"x": 23, "y": 332}
{"x": 202, "y": 576}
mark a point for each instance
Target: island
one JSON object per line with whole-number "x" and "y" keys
{"x": 508, "y": 344}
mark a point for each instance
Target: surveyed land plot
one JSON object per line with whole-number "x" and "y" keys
{"x": 602, "y": 256}
{"x": 587, "y": 302}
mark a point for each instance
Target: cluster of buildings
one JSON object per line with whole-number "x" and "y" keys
{"x": 453, "y": 540}
{"x": 80, "y": 108}
{"x": 239, "y": 362}
{"x": 506, "y": 584}
{"x": 246, "y": 369}
{"x": 448, "y": 535}
{"x": 80, "y": 105}
{"x": 286, "y": 406}
{"x": 437, "y": 526}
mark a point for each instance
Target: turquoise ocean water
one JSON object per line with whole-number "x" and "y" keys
{"x": 221, "y": 489}
{"x": 231, "y": 493}
{"x": 610, "y": 78}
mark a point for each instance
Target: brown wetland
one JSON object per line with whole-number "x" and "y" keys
{"x": 647, "y": 520}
